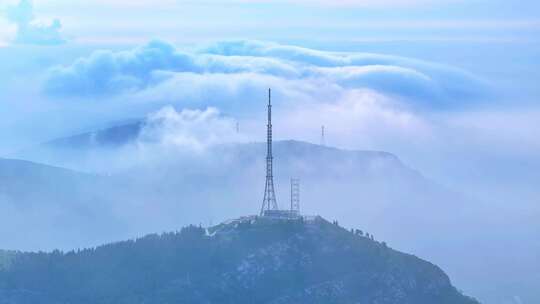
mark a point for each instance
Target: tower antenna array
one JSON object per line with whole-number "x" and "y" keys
{"x": 295, "y": 196}
{"x": 323, "y": 140}
{"x": 269, "y": 200}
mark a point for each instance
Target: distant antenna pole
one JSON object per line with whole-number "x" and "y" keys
{"x": 295, "y": 195}
{"x": 323, "y": 140}
{"x": 269, "y": 200}
{"x": 237, "y": 127}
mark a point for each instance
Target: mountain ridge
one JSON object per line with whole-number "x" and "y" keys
{"x": 16, "y": 176}
{"x": 369, "y": 188}
{"x": 251, "y": 260}
{"x": 80, "y": 146}
{"x": 111, "y": 136}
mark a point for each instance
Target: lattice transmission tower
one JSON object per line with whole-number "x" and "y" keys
{"x": 269, "y": 200}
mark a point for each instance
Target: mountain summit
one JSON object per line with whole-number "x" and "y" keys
{"x": 249, "y": 260}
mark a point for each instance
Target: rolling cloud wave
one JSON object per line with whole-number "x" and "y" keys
{"x": 148, "y": 67}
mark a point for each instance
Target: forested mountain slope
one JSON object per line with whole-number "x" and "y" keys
{"x": 252, "y": 260}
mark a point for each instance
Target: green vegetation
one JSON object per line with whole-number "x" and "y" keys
{"x": 249, "y": 261}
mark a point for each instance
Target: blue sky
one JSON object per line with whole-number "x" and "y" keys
{"x": 195, "y": 21}
{"x": 435, "y": 82}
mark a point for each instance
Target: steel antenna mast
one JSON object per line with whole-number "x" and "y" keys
{"x": 269, "y": 201}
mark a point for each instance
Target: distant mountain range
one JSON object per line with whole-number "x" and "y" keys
{"x": 79, "y": 150}
{"x": 112, "y": 136}
{"x": 251, "y": 260}
{"x": 43, "y": 207}
{"x": 25, "y": 183}
{"x": 128, "y": 190}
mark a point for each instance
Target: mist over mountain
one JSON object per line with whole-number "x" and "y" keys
{"x": 18, "y": 176}
{"x": 138, "y": 187}
{"x": 110, "y": 137}
{"x": 251, "y": 260}
{"x": 45, "y": 207}
{"x": 148, "y": 188}
{"x": 120, "y": 119}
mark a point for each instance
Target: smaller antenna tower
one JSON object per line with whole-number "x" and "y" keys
{"x": 323, "y": 140}
{"x": 295, "y": 195}
{"x": 237, "y": 127}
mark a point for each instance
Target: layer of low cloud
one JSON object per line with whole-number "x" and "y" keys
{"x": 367, "y": 101}
{"x": 31, "y": 30}
{"x": 145, "y": 68}
{"x": 191, "y": 130}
